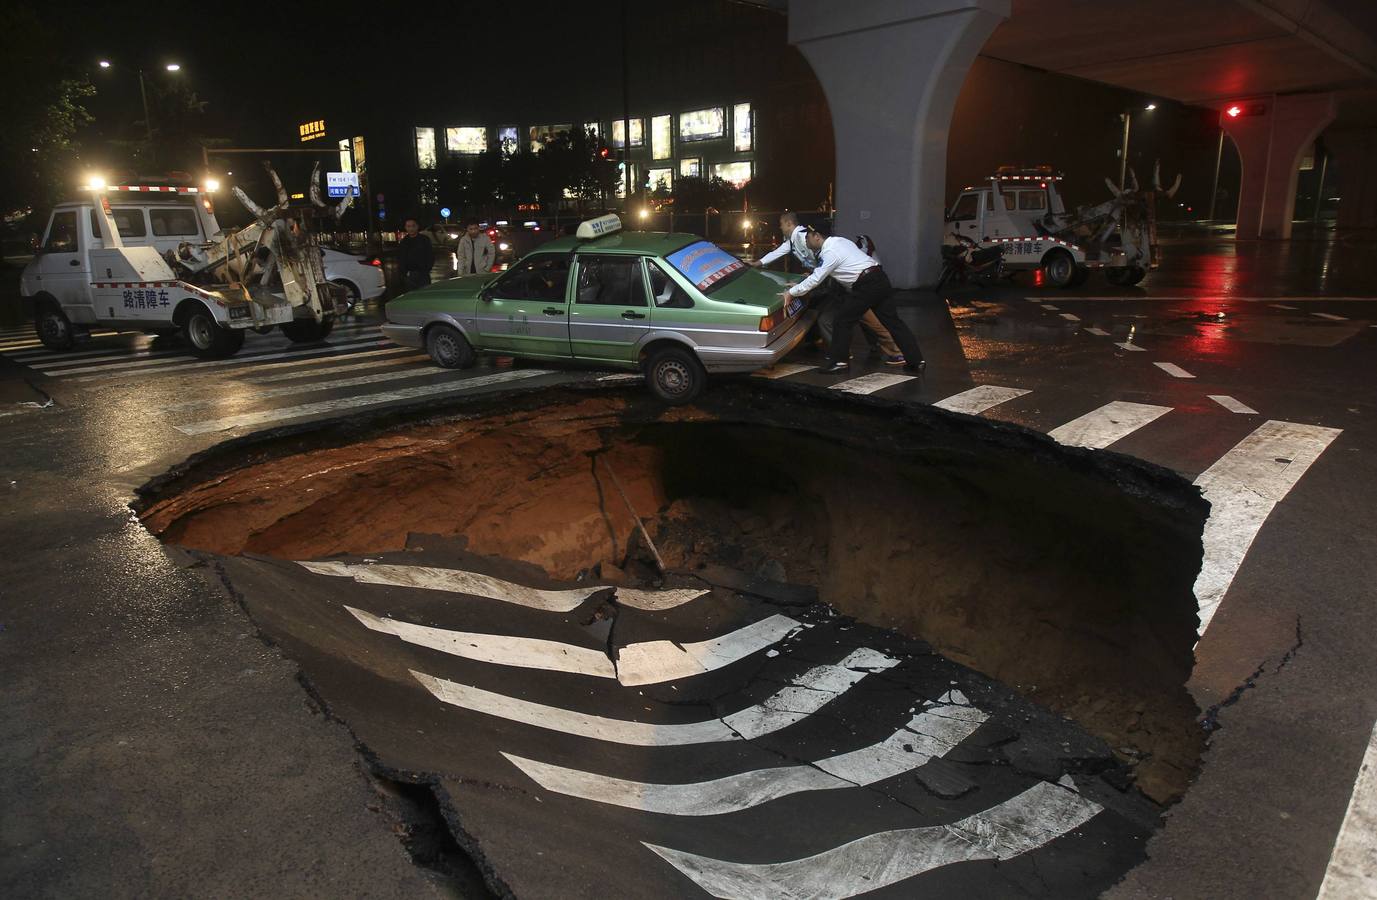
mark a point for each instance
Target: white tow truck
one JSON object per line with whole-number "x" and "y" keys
{"x": 1021, "y": 211}
{"x": 155, "y": 259}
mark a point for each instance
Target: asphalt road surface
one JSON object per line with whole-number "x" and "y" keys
{"x": 149, "y": 742}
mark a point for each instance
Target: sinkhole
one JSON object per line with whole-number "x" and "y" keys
{"x": 1064, "y": 573}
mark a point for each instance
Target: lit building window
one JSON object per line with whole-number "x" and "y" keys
{"x": 540, "y": 134}
{"x": 743, "y": 128}
{"x": 466, "y": 141}
{"x": 660, "y": 180}
{"x": 637, "y": 133}
{"x": 737, "y": 173}
{"x": 594, "y": 129}
{"x": 661, "y": 137}
{"x": 346, "y": 164}
{"x": 507, "y": 140}
{"x": 430, "y": 192}
{"x": 691, "y": 168}
{"x": 622, "y": 182}
{"x": 425, "y": 148}
{"x": 702, "y": 124}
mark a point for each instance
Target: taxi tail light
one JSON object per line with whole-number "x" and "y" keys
{"x": 767, "y": 323}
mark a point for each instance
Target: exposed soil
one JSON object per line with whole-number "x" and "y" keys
{"x": 1065, "y": 574}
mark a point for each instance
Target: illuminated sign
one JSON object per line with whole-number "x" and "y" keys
{"x": 342, "y": 184}
{"x": 309, "y": 131}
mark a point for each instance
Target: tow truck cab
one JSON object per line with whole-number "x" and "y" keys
{"x": 1013, "y": 205}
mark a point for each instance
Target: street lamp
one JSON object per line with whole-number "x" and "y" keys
{"x": 177, "y": 67}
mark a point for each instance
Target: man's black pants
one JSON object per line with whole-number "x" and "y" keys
{"x": 871, "y": 291}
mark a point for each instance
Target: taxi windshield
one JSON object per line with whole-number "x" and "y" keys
{"x": 706, "y": 265}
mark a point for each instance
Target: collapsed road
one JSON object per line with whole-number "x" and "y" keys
{"x": 891, "y": 650}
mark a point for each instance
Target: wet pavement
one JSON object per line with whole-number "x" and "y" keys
{"x": 149, "y": 737}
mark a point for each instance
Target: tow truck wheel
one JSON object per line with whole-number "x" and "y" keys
{"x": 675, "y": 375}
{"x": 207, "y": 339}
{"x": 1082, "y": 273}
{"x": 1059, "y": 269}
{"x": 53, "y": 328}
{"x": 305, "y": 331}
{"x": 448, "y": 347}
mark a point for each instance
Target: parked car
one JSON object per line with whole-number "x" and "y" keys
{"x": 672, "y": 305}
{"x": 361, "y": 276}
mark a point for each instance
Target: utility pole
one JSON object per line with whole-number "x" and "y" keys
{"x": 1123, "y": 151}
{"x": 147, "y": 119}
{"x": 1214, "y": 185}
{"x": 626, "y": 111}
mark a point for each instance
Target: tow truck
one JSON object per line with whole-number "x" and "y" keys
{"x": 99, "y": 266}
{"x": 1022, "y": 211}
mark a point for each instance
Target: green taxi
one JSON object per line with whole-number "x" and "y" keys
{"x": 671, "y": 305}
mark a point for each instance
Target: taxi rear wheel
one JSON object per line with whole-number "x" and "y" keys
{"x": 448, "y": 348}
{"x": 675, "y": 375}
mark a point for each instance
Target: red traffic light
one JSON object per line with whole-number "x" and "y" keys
{"x": 604, "y": 153}
{"x": 1243, "y": 110}
{"x": 1233, "y": 111}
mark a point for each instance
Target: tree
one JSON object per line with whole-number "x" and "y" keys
{"x": 42, "y": 112}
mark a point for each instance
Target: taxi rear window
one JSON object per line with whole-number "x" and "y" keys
{"x": 706, "y": 265}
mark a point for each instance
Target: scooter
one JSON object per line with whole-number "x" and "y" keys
{"x": 967, "y": 261}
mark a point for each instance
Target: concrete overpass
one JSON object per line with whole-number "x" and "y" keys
{"x": 1289, "y": 69}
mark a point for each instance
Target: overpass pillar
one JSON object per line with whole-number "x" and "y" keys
{"x": 1355, "y": 157}
{"x": 1271, "y": 136}
{"x": 891, "y": 71}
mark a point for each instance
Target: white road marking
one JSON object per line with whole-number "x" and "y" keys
{"x": 1101, "y": 427}
{"x": 309, "y": 372}
{"x": 809, "y": 693}
{"x": 933, "y": 732}
{"x": 1330, "y": 316}
{"x": 869, "y": 384}
{"x": 66, "y": 360}
{"x": 1243, "y": 487}
{"x": 1129, "y": 345}
{"x": 1352, "y": 870}
{"x": 458, "y": 581}
{"x": 1281, "y": 306}
{"x": 502, "y": 649}
{"x": 356, "y": 402}
{"x": 1173, "y": 370}
{"x": 654, "y": 662}
{"x": 783, "y": 370}
{"x": 187, "y": 361}
{"x": 979, "y": 398}
{"x": 1070, "y": 318}
{"x": 1050, "y": 307}
{"x": 1231, "y": 404}
{"x": 318, "y": 386}
{"x": 1022, "y": 823}
{"x": 1098, "y": 332}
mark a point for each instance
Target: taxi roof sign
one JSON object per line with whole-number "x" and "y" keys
{"x": 596, "y": 228}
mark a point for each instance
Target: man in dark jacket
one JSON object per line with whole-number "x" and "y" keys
{"x": 417, "y": 256}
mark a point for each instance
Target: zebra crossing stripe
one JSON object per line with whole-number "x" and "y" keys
{"x": 1101, "y": 427}
{"x": 1350, "y": 872}
{"x": 1070, "y": 318}
{"x": 1129, "y": 346}
{"x": 1243, "y": 487}
{"x": 649, "y": 662}
{"x": 979, "y": 398}
{"x": 1049, "y": 307}
{"x": 1022, "y": 823}
{"x": 367, "y": 351}
{"x": 1231, "y": 404}
{"x": 783, "y": 370}
{"x": 1330, "y": 316}
{"x": 1098, "y": 332}
{"x": 458, "y": 581}
{"x": 1173, "y": 370}
{"x": 932, "y": 733}
{"x": 869, "y": 384}
{"x": 49, "y": 360}
{"x": 342, "y": 349}
{"x": 655, "y": 662}
{"x": 342, "y": 403}
{"x": 316, "y": 386}
{"x": 523, "y": 652}
{"x": 184, "y": 359}
{"x": 308, "y": 370}
{"x": 807, "y": 694}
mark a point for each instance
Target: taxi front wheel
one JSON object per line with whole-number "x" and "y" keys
{"x": 675, "y": 375}
{"x": 448, "y": 347}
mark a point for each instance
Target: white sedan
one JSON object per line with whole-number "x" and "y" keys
{"x": 361, "y": 275}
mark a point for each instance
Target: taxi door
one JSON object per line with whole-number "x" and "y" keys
{"x": 526, "y": 311}
{"x": 610, "y": 312}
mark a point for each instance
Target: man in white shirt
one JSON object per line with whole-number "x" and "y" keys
{"x": 475, "y": 253}
{"x": 796, "y": 242}
{"x": 866, "y": 287}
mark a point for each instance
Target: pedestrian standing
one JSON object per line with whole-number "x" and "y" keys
{"x": 865, "y": 286}
{"x": 795, "y": 242}
{"x": 475, "y": 253}
{"x": 417, "y": 256}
